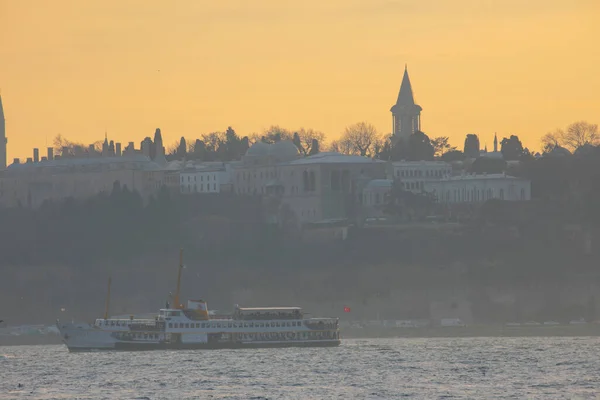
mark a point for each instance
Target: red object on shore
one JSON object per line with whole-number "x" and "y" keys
{"x": 346, "y": 309}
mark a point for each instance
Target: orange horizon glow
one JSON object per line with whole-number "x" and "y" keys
{"x": 80, "y": 68}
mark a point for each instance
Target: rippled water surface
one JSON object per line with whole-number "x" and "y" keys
{"x": 544, "y": 368}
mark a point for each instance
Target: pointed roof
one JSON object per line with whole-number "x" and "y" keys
{"x": 405, "y": 97}
{"x": 1, "y": 109}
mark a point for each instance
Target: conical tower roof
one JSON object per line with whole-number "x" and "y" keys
{"x": 1, "y": 109}
{"x": 405, "y": 97}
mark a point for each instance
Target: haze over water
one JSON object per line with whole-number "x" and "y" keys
{"x": 467, "y": 368}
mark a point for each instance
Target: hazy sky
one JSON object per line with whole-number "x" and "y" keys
{"x": 79, "y": 67}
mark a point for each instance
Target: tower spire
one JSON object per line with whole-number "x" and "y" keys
{"x": 495, "y": 143}
{"x": 405, "y": 96}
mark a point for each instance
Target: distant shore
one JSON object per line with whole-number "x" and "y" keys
{"x": 473, "y": 331}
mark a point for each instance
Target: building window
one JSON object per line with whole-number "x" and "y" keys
{"x": 522, "y": 193}
{"x": 214, "y": 186}
{"x": 501, "y": 194}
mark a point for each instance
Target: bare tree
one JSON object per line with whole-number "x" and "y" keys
{"x": 307, "y": 137}
{"x": 441, "y": 145}
{"x": 275, "y": 133}
{"x": 342, "y": 146}
{"x": 576, "y": 135}
{"x": 61, "y": 142}
{"x": 213, "y": 141}
{"x": 360, "y": 139}
{"x": 550, "y": 140}
{"x": 579, "y": 134}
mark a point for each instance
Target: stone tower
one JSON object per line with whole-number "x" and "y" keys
{"x": 406, "y": 115}
{"x": 3, "y": 139}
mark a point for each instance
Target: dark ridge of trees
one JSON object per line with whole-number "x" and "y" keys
{"x": 118, "y": 226}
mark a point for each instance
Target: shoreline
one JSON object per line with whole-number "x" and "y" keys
{"x": 584, "y": 330}
{"x": 474, "y": 331}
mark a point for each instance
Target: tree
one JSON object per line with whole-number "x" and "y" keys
{"x": 198, "y": 150}
{"x": 306, "y": 138}
{"x": 511, "y": 148}
{"x": 471, "y": 149}
{"x": 441, "y": 145}
{"x": 453, "y": 155}
{"x": 275, "y": 133}
{"x": 420, "y": 147}
{"x": 296, "y": 141}
{"x": 359, "y": 139}
{"x": 550, "y": 140}
{"x": 61, "y": 142}
{"x": 488, "y": 165}
{"x": 314, "y": 147}
{"x": 182, "y": 149}
{"x": 577, "y": 134}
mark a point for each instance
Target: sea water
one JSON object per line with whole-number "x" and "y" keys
{"x": 465, "y": 368}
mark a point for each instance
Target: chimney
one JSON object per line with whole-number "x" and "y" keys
{"x": 91, "y": 149}
{"x": 36, "y": 155}
{"x": 29, "y": 160}
{"x": 44, "y": 158}
{"x": 16, "y": 161}
{"x": 118, "y": 149}
{"x": 65, "y": 152}
{"x": 50, "y": 153}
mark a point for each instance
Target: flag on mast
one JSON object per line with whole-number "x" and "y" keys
{"x": 346, "y": 309}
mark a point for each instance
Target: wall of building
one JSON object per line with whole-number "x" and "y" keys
{"x": 413, "y": 174}
{"x": 479, "y": 188}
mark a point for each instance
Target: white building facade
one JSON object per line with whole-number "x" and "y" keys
{"x": 206, "y": 178}
{"x": 414, "y": 174}
{"x": 304, "y": 190}
{"x": 479, "y": 188}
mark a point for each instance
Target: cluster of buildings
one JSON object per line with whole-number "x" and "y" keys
{"x": 299, "y": 189}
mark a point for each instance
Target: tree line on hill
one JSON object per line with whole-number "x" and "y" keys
{"x": 363, "y": 139}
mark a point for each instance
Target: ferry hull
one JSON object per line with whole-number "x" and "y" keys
{"x": 123, "y": 346}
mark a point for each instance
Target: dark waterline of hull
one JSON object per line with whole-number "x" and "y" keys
{"x": 202, "y": 346}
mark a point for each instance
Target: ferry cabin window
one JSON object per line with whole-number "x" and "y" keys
{"x": 203, "y": 325}
{"x": 170, "y": 324}
{"x": 187, "y": 325}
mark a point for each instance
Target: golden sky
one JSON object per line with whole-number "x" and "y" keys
{"x": 78, "y": 67}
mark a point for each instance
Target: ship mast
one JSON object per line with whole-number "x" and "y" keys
{"x": 107, "y": 299}
{"x": 176, "y": 299}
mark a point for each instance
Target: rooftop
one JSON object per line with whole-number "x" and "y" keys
{"x": 142, "y": 161}
{"x": 481, "y": 177}
{"x": 334, "y": 158}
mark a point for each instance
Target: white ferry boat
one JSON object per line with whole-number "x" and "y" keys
{"x": 192, "y": 327}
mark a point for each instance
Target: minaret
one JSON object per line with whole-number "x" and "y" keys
{"x": 3, "y": 139}
{"x": 406, "y": 115}
{"x": 105, "y": 146}
{"x": 495, "y": 143}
